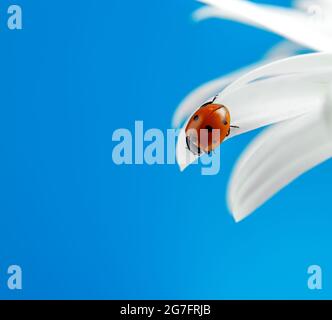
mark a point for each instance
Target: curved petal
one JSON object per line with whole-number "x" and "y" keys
{"x": 289, "y": 23}
{"x": 316, "y": 9}
{"x": 301, "y": 64}
{"x": 277, "y": 157}
{"x": 275, "y": 99}
{"x": 197, "y": 97}
{"x": 206, "y": 91}
{"x": 284, "y": 49}
{"x": 210, "y": 11}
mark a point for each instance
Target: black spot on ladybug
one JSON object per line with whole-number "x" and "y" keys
{"x": 196, "y": 117}
{"x": 209, "y": 129}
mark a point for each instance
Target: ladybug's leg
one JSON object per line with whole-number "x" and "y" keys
{"x": 214, "y": 99}
{"x": 209, "y": 102}
{"x": 229, "y": 130}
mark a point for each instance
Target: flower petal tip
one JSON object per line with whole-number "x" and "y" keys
{"x": 202, "y": 13}
{"x": 237, "y": 220}
{"x": 182, "y": 167}
{"x": 238, "y": 211}
{"x": 239, "y": 215}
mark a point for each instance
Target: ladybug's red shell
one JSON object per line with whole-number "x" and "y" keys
{"x": 215, "y": 119}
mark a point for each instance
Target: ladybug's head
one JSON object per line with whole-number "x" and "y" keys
{"x": 207, "y": 128}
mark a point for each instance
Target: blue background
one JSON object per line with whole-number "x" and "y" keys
{"x": 82, "y": 227}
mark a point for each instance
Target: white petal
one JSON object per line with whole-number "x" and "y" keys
{"x": 196, "y": 98}
{"x": 289, "y": 23}
{"x": 301, "y": 64}
{"x": 209, "y": 11}
{"x": 280, "y": 154}
{"x": 272, "y": 100}
{"x": 200, "y": 95}
{"x": 282, "y": 50}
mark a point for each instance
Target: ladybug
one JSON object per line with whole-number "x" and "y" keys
{"x": 215, "y": 119}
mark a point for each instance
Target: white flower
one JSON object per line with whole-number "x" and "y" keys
{"x": 289, "y": 91}
{"x": 293, "y": 92}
